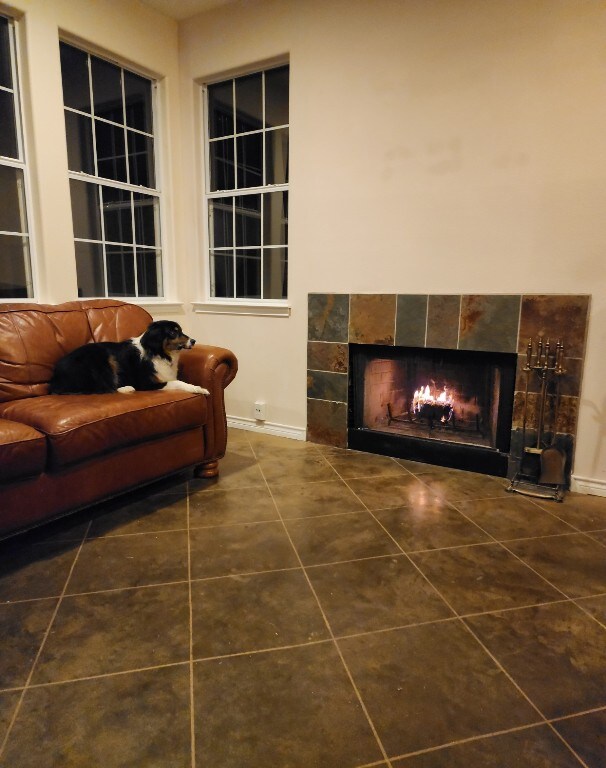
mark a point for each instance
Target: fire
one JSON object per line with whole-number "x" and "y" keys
{"x": 424, "y": 396}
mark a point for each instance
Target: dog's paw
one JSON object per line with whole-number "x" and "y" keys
{"x": 200, "y": 390}
{"x": 125, "y": 389}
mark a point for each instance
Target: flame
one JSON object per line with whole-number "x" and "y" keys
{"x": 423, "y": 396}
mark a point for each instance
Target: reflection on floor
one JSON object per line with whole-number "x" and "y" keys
{"x": 311, "y": 607}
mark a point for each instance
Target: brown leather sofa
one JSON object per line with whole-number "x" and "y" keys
{"x": 60, "y": 453}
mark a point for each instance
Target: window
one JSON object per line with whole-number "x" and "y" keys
{"x": 247, "y": 185}
{"x": 114, "y": 192}
{"x": 15, "y": 263}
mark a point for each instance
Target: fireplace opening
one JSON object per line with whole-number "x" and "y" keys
{"x": 446, "y": 407}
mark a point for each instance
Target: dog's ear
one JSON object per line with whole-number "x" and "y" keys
{"x": 153, "y": 339}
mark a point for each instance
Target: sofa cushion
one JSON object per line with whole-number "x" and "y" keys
{"x": 80, "y": 427}
{"x": 22, "y": 451}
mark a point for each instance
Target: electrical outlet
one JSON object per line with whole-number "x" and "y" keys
{"x": 260, "y": 410}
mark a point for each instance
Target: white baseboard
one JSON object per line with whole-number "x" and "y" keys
{"x": 267, "y": 428}
{"x": 588, "y": 485}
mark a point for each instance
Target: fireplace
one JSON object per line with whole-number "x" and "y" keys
{"x": 420, "y": 403}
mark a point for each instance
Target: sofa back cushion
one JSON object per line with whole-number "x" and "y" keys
{"x": 34, "y": 336}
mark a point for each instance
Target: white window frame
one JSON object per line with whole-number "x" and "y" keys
{"x": 227, "y": 305}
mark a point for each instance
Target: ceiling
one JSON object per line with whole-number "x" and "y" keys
{"x": 183, "y": 9}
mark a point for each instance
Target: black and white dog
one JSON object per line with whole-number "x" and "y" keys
{"x": 144, "y": 363}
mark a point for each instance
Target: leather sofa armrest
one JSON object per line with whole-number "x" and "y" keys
{"x": 213, "y": 368}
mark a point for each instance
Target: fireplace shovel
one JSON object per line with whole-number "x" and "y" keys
{"x": 553, "y": 460}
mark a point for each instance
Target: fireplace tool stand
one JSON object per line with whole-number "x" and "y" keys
{"x": 541, "y": 470}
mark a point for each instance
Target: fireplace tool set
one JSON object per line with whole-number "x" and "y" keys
{"x": 542, "y": 466}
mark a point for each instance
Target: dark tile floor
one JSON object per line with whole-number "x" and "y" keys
{"x": 312, "y": 607}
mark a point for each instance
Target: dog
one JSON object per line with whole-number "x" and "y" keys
{"x": 147, "y": 362}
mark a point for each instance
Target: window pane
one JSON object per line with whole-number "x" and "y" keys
{"x": 248, "y": 220}
{"x": 276, "y": 156}
{"x": 138, "y": 95}
{"x": 74, "y": 73}
{"x": 250, "y": 160}
{"x": 149, "y": 272}
{"x": 117, "y": 215}
{"x": 6, "y": 78}
{"x": 141, "y": 159}
{"x": 221, "y": 223}
{"x": 15, "y": 282}
{"x": 107, "y": 90}
{"x": 222, "y": 165}
{"x": 86, "y": 214}
{"x": 275, "y": 218}
{"x": 111, "y": 159}
{"x": 8, "y": 129}
{"x": 275, "y": 273}
{"x": 249, "y": 103}
{"x": 222, "y": 274}
{"x": 147, "y": 219}
{"x": 12, "y": 200}
{"x": 220, "y": 109}
{"x": 80, "y": 153}
{"x": 276, "y": 97}
{"x": 120, "y": 271}
{"x": 89, "y": 269}
{"x": 248, "y": 274}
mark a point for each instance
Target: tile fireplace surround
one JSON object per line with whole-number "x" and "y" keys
{"x": 487, "y": 322}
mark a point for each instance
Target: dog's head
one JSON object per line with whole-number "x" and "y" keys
{"x": 163, "y": 338}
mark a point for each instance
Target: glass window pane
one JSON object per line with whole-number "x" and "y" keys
{"x": 220, "y": 109}
{"x": 74, "y": 74}
{"x": 86, "y": 213}
{"x": 275, "y": 218}
{"x": 275, "y": 273}
{"x": 276, "y": 156}
{"x": 138, "y": 96}
{"x": 222, "y": 274}
{"x": 111, "y": 158}
{"x": 250, "y": 160}
{"x": 222, "y": 165}
{"x": 141, "y": 159}
{"x": 147, "y": 219}
{"x": 89, "y": 269}
{"x": 276, "y": 97}
{"x": 6, "y": 77}
{"x": 8, "y": 129}
{"x": 248, "y": 274}
{"x": 221, "y": 223}
{"x": 12, "y": 200}
{"x": 107, "y": 89}
{"x": 80, "y": 153}
{"x": 248, "y": 219}
{"x": 117, "y": 215}
{"x": 249, "y": 103}
{"x": 120, "y": 271}
{"x": 15, "y": 275}
{"x": 149, "y": 272}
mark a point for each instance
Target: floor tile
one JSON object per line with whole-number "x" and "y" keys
{"x": 292, "y": 707}
{"x": 586, "y": 734}
{"x": 8, "y": 704}
{"x": 246, "y": 613}
{"x": 310, "y": 499}
{"x": 596, "y": 606}
{"x": 137, "y": 719}
{"x": 339, "y": 537}
{"x": 513, "y": 517}
{"x": 130, "y": 561}
{"x": 575, "y": 564}
{"x": 555, "y": 653}
{"x": 585, "y": 512}
{"x": 380, "y": 593}
{"x": 392, "y": 491}
{"x": 353, "y": 464}
{"x": 233, "y": 549}
{"x": 34, "y": 570}
{"x": 484, "y": 577}
{"x": 535, "y": 747}
{"x": 429, "y": 685}
{"x": 116, "y": 631}
{"x": 22, "y": 628}
{"x": 455, "y": 485}
{"x": 307, "y": 467}
{"x": 238, "y": 505}
{"x": 432, "y": 525}
{"x": 238, "y": 469}
{"x": 158, "y": 513}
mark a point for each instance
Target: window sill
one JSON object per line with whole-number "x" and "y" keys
{"x": 170, "y": 307}
{"x": 260, "y": 308}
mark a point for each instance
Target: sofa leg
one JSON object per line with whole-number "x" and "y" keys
{"x": 208, "y": 469}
